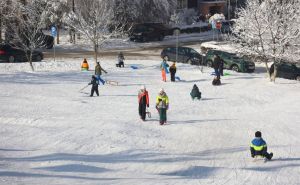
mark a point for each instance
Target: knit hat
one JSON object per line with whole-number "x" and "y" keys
{"x": 143, "y": 87}
{"x": 161, "y": 90}
{"x": 257, "y": 134}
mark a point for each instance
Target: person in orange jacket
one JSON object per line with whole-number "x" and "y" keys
{"x": 85, "y": 65}
{"x": 143, "y": 99}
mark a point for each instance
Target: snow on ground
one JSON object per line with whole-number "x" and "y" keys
{"x": 53, "y": 134}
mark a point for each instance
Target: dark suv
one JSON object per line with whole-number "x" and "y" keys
{"x": 287, "y": 70}
{"x": 148, "y": 32}
{"x": 185, "y": 55}
{"x": 231, "y": 61}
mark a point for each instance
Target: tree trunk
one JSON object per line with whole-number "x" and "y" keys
{"x": 275, "y": 72}
{"x": 57, "y": 36}
{"x": 96, "y": 53}
{"x": 268, "y": 70}
{"x": 1, "y": 28}
{"x": 30, "y": 61}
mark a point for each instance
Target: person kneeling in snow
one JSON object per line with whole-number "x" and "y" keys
{"x": 162, "y": 105}
{"x": 94, "y": 84}
{"x": 195, "y": 93}
{"x": 143, "y": 98}
{"x": 258, "y": 147}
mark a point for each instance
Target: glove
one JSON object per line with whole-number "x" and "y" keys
{"x": 147, "y": 105}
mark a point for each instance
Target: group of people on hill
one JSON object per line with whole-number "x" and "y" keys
{"x": 258, "y": 146}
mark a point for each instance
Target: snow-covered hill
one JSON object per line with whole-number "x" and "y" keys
{"x": 50, "y": 133}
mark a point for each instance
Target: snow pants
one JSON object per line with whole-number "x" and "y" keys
{"x": 263, "y": 153}
{"x": 142, "y": 111}
{"x": 100, "y": 79}
{"x": 94, "y": 89}
{"x": 162, "y": 115}
{"x": 172, "y": 77}
{"x": 163, "y": 75}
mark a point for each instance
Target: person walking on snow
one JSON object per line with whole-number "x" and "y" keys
{"x": 143, "y": 99}
{"x": 162, "y": 105}
{"x": 94, "y": 84}
{"x": 98, "y": 73}
{"x": 164, "y": 69}
{"x": 258, "y": 147}
{"x": 172, "y": 70}
{"x": 195, "y": 93}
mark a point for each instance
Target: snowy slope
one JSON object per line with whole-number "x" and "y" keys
{"x": 50, "y": 133}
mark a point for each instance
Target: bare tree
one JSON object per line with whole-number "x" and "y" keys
{"x": 269, "y": 29}
{"x": 93, "y": 18}
{"x": 27, "y": 26}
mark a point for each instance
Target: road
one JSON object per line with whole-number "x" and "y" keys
{"x": 149, "y": 50}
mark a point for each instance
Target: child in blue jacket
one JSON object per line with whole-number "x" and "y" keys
{"x": 258, "y": 147}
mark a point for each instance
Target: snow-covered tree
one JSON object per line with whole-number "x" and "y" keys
{"x": 56, "y": 11}
{"x": 93, "y": 19}
{"x": 143, "y": 11}
{"x": 27, "y": 26}
{"x": 269, "y": 29}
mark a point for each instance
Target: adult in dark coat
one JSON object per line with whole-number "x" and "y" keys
{"x": 143, "y": 99}
{"x": 195, "y": 93}
{"x": 216, "y": 65}
{"x": 172, "y": 70}
{"x": 221, "y": 67}
{"x": 94, "y": 84}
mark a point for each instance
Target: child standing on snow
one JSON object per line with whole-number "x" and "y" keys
{"x": 164, "y": 69}
{"x": 162, "y": 105}
{"x": 143, "y": 99}
{"x": 121, "y": 59}
{"x": 172, "y": 70}
{"x": 94, "y": 84}
{"x": 258, "y": 147}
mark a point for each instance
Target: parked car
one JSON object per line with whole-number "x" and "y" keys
{"x": 287, "y": 70}
{"x": 148, "y": 32}
{"x": 231, "y": 61}
{"x": 12, "y": 54}
{"x": 185, "y": 55}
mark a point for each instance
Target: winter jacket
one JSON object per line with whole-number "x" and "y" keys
{"x": 94, "y": 82}
{"x": 143, "y": 97}
{"x": 85, "y": 65}
{"x": 121, "y": 57}
{"x": 172, "y": 69}
{"x": 164, "y": 66}
{"x": 195, "y": 92}
{"x": 258, "y": 144}
{"x": 162, "y": 101}
{"x": 99, "y": 69}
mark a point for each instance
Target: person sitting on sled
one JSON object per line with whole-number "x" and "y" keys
{"x": 258, "y": 147}
{"x": 143, "y": 99}
{"x": 195, "y": 93}
{"x": 85, "y": 65}
{"x": 162, "y": 105}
